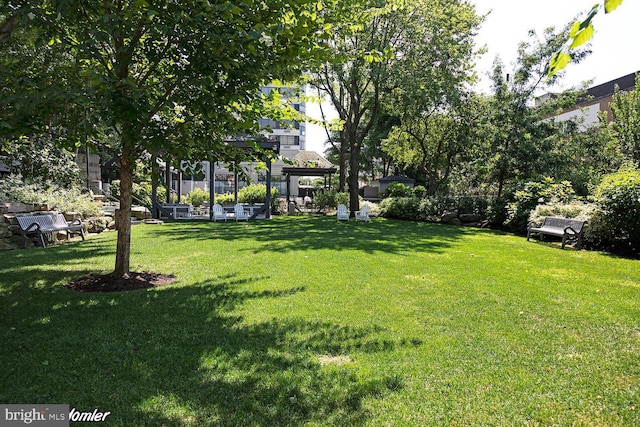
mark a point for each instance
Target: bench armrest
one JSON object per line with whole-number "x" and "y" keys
{"x": 571, "y": 229}
{"x": 34, "y": 226}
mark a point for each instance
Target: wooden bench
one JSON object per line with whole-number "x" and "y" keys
{"x": 570, "y": 230}
{"x": 35, "y": 227}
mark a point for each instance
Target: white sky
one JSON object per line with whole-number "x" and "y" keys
{"x": 615, "y": 45}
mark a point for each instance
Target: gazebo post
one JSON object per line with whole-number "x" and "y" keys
{"x": 288, "y": 188}
{"x": 267, "y": 202}
{"x": 235, "y": 184}
{"x": 154, "y": 187}
{"x": 167, "y": 180}
{"x": 212, "y": 184}
{"x": 179, "y": 183}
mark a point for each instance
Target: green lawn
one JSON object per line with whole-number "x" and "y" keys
{"x": 307, "y": 321}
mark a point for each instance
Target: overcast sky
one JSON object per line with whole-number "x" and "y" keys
{"x": 615, "y": 45}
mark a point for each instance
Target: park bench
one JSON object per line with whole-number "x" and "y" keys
{"x": 36, "y": 227}
{"x": 570, "y": 230}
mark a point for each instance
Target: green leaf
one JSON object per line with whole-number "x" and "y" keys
{"x": 575, "y": 28}
{"x": 558, "y": 62}
{"x": 611, "y": 5}
{"x": 582, "y": 37}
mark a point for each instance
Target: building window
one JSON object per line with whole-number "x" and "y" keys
{"x": 289, "y": 140}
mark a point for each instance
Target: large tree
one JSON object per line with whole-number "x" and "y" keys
{"x": 387, "y": 40}
{"x": 170, "y": 76}
{"x": 522, "y": 136}
{"x": 433, "y": 143}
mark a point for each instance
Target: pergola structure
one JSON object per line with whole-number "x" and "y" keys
{"x": 258, "y": 146}
{"x": 308, "y": 171}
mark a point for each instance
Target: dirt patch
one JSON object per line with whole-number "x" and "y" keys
{"x": 112, "y": 283}
{"x": 328, "y": 359}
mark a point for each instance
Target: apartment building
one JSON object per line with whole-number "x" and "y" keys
{"x": 290, "y": 135}
{"x": 597, "y": 99}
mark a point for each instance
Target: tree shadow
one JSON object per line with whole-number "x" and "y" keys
{"x": 182, "y": 355}
{"x": 315, "y": 233}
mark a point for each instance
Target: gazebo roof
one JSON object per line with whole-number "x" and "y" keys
{"x": 250, "y": 143}
{"x": 309, "y": 163}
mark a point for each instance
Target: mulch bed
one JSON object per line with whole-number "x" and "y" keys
{"x": 112, "y": 283}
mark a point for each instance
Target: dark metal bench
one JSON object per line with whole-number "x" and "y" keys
{"x": 35, "y": 227}
{"x": 570, "y": 230}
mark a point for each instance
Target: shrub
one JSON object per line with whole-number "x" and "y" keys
{"x": 197, "y": 197}
{"x": 396, "y": 189}
{"x": 618, "y": 194}
{"x": 72, "y": 199}
{"x": 224, "y": 199}
{"x": 472, "y": 205}
{"x": 400, "y": 208}
{"x": 428, "y": 210}
{"x": 532, "y": 194}
{"x": 328, "y": 199}
{"x": 574, "y": 210}
{"x": 497, "y": 211}
{"x": 419, "y": 191}
{"x": 256, "y": 193}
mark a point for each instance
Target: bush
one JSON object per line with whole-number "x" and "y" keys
{"x": 256, "y": 193}
{"x": 574, "y": 210}
{"x": 428, "y": 210}
{"x": 224, "y": 199}
{"x": 72, "y": 199}
{"x": 400, "y": 208}
{"x": 197, "y": 197}
{"x": 532, "y": 194}
{"x": 497, "y": 211}
{"x": 396, "y": 189}
{"x": 329, "y": 199}
{"x": 618, "y": 194}
{"x": 419, "y": 191}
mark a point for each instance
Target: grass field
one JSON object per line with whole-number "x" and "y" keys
{"x": 306, "y": 321}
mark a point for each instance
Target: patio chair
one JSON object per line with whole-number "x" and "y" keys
{"x": 363, "y": 214}
{"x": 240, "y": 214}
{"x": 218, "y": 212}
{"x": 343, "y": 213}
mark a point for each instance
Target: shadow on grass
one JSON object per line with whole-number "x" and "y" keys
{"x": 183, "y": 356}
{"x": 315, "y": 233}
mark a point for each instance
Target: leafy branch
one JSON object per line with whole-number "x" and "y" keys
{"x": 581, "y": 32}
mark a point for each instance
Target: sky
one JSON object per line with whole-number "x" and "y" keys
{"x": 615, "y": 44}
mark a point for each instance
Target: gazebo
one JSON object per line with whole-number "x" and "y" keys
{"x": 257, "y": 147}
{"x": 309, "y": 163}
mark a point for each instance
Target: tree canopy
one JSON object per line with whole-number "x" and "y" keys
{"x": 413, "y": 52}
{"x": 168, "y": 76}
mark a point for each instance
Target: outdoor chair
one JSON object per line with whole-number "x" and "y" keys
{"x": 240, "y": 214}
{"x": 218, "y": 212}
{"x": 343, "y": 213}
{"x": 363, "y": 214}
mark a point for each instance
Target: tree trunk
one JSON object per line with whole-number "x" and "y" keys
{"x": 354, "y": 203}
{"x": 123, "y": 248}
{"x": 342, "y": 159}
